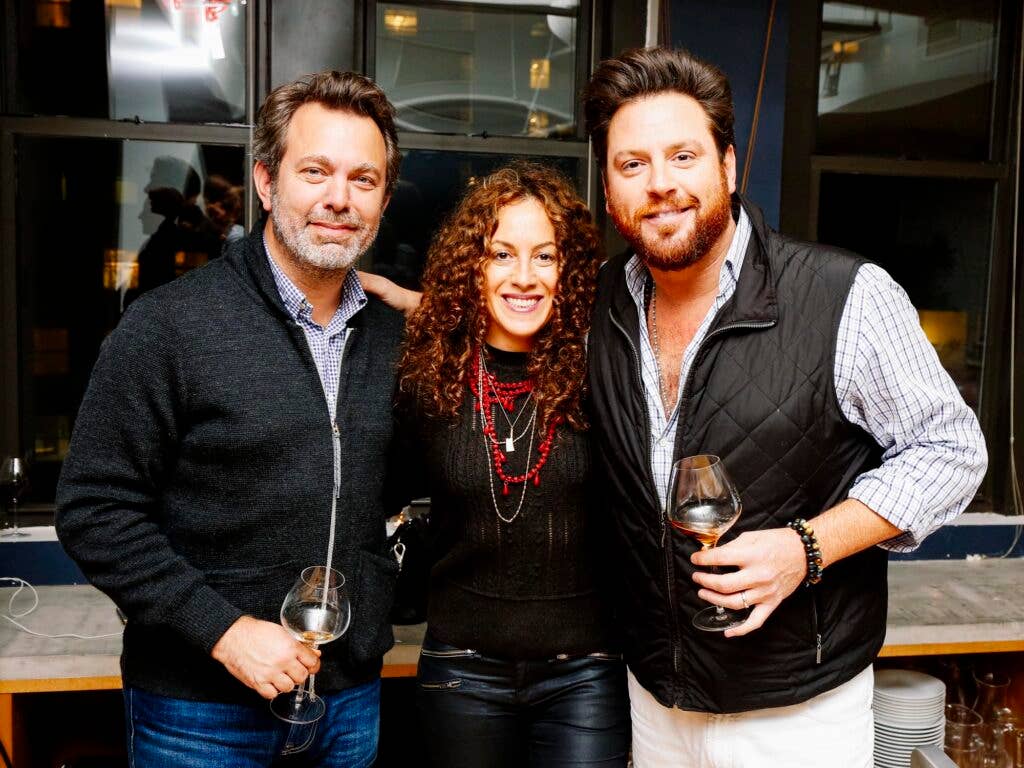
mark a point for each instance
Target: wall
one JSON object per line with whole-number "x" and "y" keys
{"x": 731, "y": 34}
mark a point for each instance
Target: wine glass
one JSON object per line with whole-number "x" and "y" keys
{"x": 703, "y": 503}
{"x": 13, "y": 483}
{"x": 315, "y": 611}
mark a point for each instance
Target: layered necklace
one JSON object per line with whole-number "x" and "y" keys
{"x": 487, "y": 393}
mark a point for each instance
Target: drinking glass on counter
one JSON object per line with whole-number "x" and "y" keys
{"x": 963, "y": 727}
{"x": 991, "y": 690}
{"x": 13, "y": 484}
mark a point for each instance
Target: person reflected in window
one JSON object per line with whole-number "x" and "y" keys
{"x": 224, "y": 207}
{"x": 519, "y": 666}
{"x": 180, "y": 234}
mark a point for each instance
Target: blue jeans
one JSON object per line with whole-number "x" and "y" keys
{"x": 483, "y": 712}
{"x": 162, "y": 731}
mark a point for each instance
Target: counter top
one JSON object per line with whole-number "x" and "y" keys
{"x": 934, "y": 607}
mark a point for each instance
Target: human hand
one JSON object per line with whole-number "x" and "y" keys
{"x": 265, "y": 657}
{"x": 395, "y": 296}
{"x": 771, "y": 563}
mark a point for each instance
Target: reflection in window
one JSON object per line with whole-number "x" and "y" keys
{"x": 158, "y": 60}
{"x": 430, "y": 185}
{"x": 99, "y": 223}
{"x": 470, "y": 67}
{"x": 932, "y": 236}
{"x": 908, "y": 84}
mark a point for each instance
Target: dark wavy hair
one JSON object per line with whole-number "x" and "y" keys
{"x": 452, "y": 319}
{"x": 344, "y": 91}
{"x": 641, "y": 72}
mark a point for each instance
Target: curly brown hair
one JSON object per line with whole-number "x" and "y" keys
{"x": 452, "y": 319}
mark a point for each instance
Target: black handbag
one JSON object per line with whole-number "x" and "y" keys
{"x": 411, "y": 544}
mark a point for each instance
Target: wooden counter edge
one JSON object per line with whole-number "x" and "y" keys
{"x": 939, "y": 649}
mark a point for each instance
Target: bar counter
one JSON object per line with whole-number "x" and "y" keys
{"x": 935, "y": 607}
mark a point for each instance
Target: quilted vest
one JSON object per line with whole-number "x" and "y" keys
{"x": 760, "y": 394}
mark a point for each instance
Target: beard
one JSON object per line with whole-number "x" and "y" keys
{"x": 664, "y": 251}
{"x": 312, "y": 250}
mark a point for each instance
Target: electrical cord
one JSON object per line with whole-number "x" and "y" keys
{"x": 12, "y": 616}
{"x": 1018, "y": 506}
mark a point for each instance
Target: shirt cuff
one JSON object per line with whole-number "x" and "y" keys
{"x": 900, "y": 504}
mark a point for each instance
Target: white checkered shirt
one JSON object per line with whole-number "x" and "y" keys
{"x": 325, "y": 343}
{"x": 889, "y": 381}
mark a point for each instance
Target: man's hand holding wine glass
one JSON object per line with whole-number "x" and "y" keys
{"x": 771, "y": 566}
{"x": 772, "y": 563}
{"x": 265, "y": 656}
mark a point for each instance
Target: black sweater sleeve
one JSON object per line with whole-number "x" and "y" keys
{"x": 108, "y": 499}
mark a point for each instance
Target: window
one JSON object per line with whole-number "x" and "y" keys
{"x": 479, "y": 67}
{"x": 122, "y": 165}
{"x": 100, "y": 222}
{"x": 912, "y": 164}
{"x": 475, "y": 84}
{"x": 169, "y": 61}
{"x": 900, "y": 82}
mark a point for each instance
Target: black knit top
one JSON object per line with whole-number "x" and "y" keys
{"x": 526, "y": 589}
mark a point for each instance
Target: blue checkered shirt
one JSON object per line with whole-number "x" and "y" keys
{"x": 888, "y": 380}
{"x": 325, "y": 343}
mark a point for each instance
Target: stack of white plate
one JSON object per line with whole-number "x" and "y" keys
{"x": 910, "y": 711}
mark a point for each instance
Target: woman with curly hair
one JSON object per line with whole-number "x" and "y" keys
{"x": 519, "y": 665}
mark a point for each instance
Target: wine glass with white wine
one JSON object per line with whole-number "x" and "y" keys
{"x": 315, "y": 611}
{"x": 703, "y": 503}
{"x": 13, "y": 484}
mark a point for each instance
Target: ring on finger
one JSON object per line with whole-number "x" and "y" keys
{"x": 743, "y": 598}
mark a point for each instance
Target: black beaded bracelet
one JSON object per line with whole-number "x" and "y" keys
{"x": 810, "y": 542}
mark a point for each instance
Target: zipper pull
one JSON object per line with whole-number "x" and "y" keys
{"x": 817, "y": 656}
{"x": 335, "y": 430}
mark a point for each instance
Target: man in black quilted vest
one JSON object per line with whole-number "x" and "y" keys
{"x": 805, "y": 370}
{"x": 235, "y": 431}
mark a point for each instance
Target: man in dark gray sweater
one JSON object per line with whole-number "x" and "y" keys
{"x": 235, "y": 418}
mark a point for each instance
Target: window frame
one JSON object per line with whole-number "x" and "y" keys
{"x": 12, "y": 127}
{"x": 801, "y": 179}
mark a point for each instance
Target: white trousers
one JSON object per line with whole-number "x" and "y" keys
{"x": 834, "y": 729}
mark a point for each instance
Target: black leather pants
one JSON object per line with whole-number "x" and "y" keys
{"x": 482, "y": 712}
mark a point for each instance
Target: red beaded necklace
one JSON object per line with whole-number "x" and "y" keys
{"x": 488, "y": 391}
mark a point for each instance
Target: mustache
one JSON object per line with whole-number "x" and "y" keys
{"x": 670, "y": 204}
{"x": 350, "y": 219}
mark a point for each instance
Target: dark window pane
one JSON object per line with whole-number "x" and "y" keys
{"x": 932, "y": 236}
{"x": 100, "y": 222}
{"x": 468, "y": 68}
{"x": 431, "y": 183}
{"x": 158, "y": 60}
{"x": 914, "y": 80}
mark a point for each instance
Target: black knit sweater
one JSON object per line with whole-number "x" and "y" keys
{"x": 527, "y": 589}
{"x": 198, "y": 483}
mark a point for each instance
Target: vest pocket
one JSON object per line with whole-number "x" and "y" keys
{"x": 815, "y": 625}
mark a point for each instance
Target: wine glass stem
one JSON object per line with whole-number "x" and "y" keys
{"x": 312, "y": 693}
{"x": 714, "y": 569}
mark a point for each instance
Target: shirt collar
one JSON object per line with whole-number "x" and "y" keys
{"x": 638, "y": 275}
{"x": 353, "y": 297}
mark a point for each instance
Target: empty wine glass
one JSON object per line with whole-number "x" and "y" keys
{"x": 13, "y": 483}
{"x": 703, "y": 503}
{"x": 315, "y": 611}
{"x": 992, "y": 688}
{"x": 963, "y": 727}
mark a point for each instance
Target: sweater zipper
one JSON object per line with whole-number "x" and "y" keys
{"x": 666, "y": 550}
